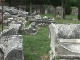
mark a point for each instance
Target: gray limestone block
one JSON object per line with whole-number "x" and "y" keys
{"x": 15, "y": 55}
{"x": 12, "y": 47}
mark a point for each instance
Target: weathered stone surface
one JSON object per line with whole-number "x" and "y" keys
{"x": 38, "y": 16}
{"x": 1, "y": 54}
{"x": 12, "y": 47}
{"x": 10, "y": 42}
{"x": 15, "y": 26}
{"x": 74, "y": 10}
{"x": 11, "y": 30}
{"x": 32, "y": 29}
{"x": 43, "y": 21}
{"x": 61, "y": 47}
{"x": 59, "y": 12}
{"x": 67, "y": 31}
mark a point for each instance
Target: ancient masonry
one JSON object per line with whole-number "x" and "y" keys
{"x": 65, "y": 41}
{"x": 11, "y": 47}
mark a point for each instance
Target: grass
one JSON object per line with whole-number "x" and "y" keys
{"x": 49, "y": 15}
{"x": 0, "y": 28}
{"x": 67, "y": 20}
{"x": 37, "y": 45}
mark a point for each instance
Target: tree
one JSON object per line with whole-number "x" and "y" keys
{"x": 68, "y": 7}
{"x": 78, "y": 4}
{"x": 55, "y": 3}
{"x": 41, "y": 3}
{"x": 9, "y": 1}
{"x": 63, "y": 6}
{"x": 73, "y": 3}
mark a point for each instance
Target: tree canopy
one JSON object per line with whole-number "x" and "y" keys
{"x": 41, "y": 2}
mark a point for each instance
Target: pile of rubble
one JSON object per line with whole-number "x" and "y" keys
{"x": 45, "y": 21}
{"x": 11, "y": 13}
{"x": 11, "y": 43}
{"x": 32, "y": 29}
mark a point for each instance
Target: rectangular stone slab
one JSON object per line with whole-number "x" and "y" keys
{"x": 69, "y": 40}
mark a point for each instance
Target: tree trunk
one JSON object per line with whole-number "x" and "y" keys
{"x": 63, "y": 7}
{"x": 9, "y": 3}
{"x": 54, "y": 12}
{"x": 78, "y": 4}
{"x": 63, "y": 13}
{"x": 30, "y": 8}
{"x": 78, "y": 13}
{"x": 41, "y": 9}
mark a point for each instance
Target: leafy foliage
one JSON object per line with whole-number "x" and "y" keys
{"x": 68, "y": 7}
{"x": 55, "y": 3}
{"x": 78, "y": 4}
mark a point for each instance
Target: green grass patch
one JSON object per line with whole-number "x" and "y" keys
{"x": 49, "y": 15}
{"x": 0, "y": 27}
{"x": 37, "y": 45}
{"x": 67, "y": 20}
{"x": 70, "y": 17}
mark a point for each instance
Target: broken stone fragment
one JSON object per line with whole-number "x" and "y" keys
{"x": 12, "y": 48}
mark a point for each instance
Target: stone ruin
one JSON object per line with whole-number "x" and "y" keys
{"x": 36, "y": 21}
{"x": 45, "y": 21}
{"x": 59, "y": 12}
{"x": 11, "y": 43}
{"x": 65, "y": 41}
{"x": 74, "y": 11}
{"x": 32, "y": 29}
{"x": 12, "y": 12}
{"x": 14, "y": 17}
{"x": 11, "y": 47}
